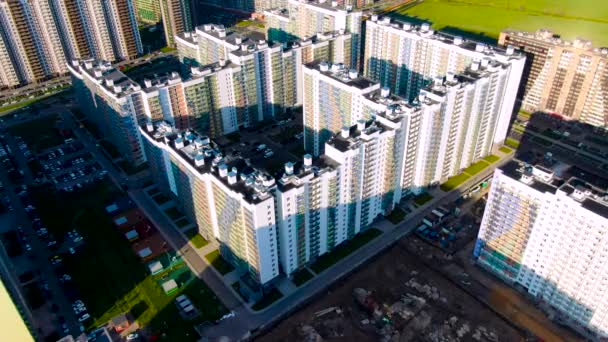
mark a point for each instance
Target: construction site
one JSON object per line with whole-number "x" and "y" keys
{"x": 395, "y": 298}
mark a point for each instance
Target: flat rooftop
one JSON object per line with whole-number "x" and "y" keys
{"x": 425, "y": 31}
{"x": 551, "y": 176}
{"x": 343, "y": 74}
{"x": 205, "y": 156}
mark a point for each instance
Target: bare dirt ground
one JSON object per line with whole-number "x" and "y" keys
{"x": 412, "y": 302}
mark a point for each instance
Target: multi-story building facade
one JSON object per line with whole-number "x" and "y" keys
{"x": 230, "y": 201}
{"x": 332, "y": 100}
{"x": 215, "y": 100}
{"x": 113, "y": 102}
{"x": 104, "y": 30}
{"x": 303, "y": 19}
{"x": 263, "y": 80}
{"x": 465, "y": 116}
{"x": 247, "y": 5}
{"x": 454, "y": 122}
{"x": 40, "y": 37}
{"x": 177, "y": 18}
{"x": 406, "y": 57}
{"x": 147, "y": 11}
{"x": 325, "y": 202}
{"x": 544, "y": 229}
{"x": 268, "y": 224}
{"x": 30, "y": 41}
{"x": 9, "y": 75}
{"x": 569, "y": 78}
{"x": 211, "y": 43}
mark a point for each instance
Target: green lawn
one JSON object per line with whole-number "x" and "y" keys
{"x": 569, "y": 18}
{"x": 9, "y": 108}
{"x": 271, "y": 297}
{"x": 109, "y": 277}
{"x": 167, "y": 49}
{"x": 512, "y": 143}
{"x": 505, "y": 149}
{"x": 302, "y": 276}
{"x": 396, "y": 216}
{"x": 221, "y": 265}
{"x": 343, "y": 250}
{"x": 247, "y": 23}
{"x": 422, "y": 198}
{"x": 197, "y": 240}
{"x": 524, "y": 114}
{"x": 39, "y": 134}
{"x": 492, "y": 158}
{"x": 476, "y": 168}
{"x": 453, "y": 182}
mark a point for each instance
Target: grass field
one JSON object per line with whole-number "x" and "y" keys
{"x": 476, "y": 168}
{"x": 6, "y": 109}
{"x": 505, "y": 149}
{"x": 569, "y": 18}
{"x": 512, "y": 143}
{"x": 197, "y": 240}
{"x": 221, "y": 265}
{"x": 491, "y": 159}
{"x": 453, "y": 182}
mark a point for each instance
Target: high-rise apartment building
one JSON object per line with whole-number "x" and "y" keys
{"x": 177, "y": 18}
{"x": 454, "y": 122}
{"x": 247, "y": 5}
{"x": 105, "y": 30}
{"x": 211, "y": 43}
{"x": 259, "y": 80}
{"x": 230, "y": 201}
{"x": 215, "y": 100}
{"x": 40, "y": 37}
{"x": 569, "y": 78}
{"x": 113, "y": 102}
{"x": 544, "y": 229}
{"x": 333, "y": 97}
{"x": 9, "y": 75}
{"x": 302, "y": 19}
{"x": 326, "y": 201}
{"x": 291, "y": 220}
{"x": 407, "y": 57}
{"x": 465, "y": 115}
{"x": 147, "y": 11}
{"x": 31, "y": 41}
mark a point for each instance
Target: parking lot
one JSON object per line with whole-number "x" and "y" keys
{"x": 70, "y": 166}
